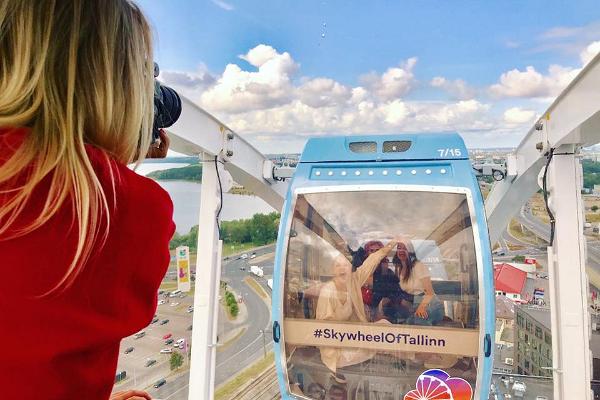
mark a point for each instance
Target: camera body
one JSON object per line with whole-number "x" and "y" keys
{"x": 167, "y": 106}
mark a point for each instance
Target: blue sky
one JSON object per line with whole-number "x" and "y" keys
{"x": 486, "y": 69}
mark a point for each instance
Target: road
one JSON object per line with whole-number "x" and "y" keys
{"x": 244, "y": 351}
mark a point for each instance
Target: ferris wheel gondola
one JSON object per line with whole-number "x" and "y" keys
{"x": 383, "y": 272}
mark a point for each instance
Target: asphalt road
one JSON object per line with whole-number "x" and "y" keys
{"x": 249, "y": 347}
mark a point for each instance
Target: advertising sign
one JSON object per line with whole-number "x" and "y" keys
{"x": 183, "y": 268}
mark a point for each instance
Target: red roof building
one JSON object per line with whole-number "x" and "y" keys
{"x": 509, "y": 279}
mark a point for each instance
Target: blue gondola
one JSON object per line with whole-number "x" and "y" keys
{"x": 383, "y": 283}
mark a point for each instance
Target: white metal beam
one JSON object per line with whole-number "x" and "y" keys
{"x": 198, "y": 132}
{"x": 573, "y": 118}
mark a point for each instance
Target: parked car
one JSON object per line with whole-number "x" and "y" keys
{"x": 150, "y": 362}
{"x": 140, "y": 334}
{"x": 128, "y": 350}
{"x": 253, "y": 255}
{"x": 154, "y": 320}
{"x": 164, "y": 321}
{"x": 189, "y": 328}
{"x": 166, "y": 350}
{"x": 161, "y": 302}
{"x": 167, "y": 336}
{"x": 160, "y": 382}
{"x": 174, "y": 304}
{"x": 190, "y": 309}
{"x": 169, "y": 341}
{"x": 244, "y": 256}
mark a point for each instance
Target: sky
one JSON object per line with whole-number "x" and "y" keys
{"x": 279, "y": 72}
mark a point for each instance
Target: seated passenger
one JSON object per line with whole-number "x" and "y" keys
{"x": 414, "y": 276}
{"x": 340, "y": 300}
{"x": 386, "y": 287}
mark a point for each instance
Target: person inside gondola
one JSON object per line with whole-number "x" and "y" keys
{"x": 341, "y": 300}
{"x": 425, "y": 308}
{"x": 386, "y": 290}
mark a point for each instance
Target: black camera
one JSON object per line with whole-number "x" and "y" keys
{"x": 167, "y": 106}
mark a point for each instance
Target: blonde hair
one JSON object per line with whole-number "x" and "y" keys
{"x": 73, "y": 72}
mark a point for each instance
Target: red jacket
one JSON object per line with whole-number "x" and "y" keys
{"x": 66, "y": 347}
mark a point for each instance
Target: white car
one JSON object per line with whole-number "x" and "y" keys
{"x": 244, "y": 256}
{"x": 190, "y": 309}
{"x": 174, "y": 304}
{"x": 161, "y": 302}
{"x": 253, "y": 256}
{"x": 166, "y": 350}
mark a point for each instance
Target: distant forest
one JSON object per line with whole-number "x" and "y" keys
{"x": 188, "y": 173}
{"x": 260, "y": 229}
{"x": 591, "y": 173}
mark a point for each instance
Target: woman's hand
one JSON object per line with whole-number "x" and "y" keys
{"x": 159, "y": 149}
{"x": 421, "y": 311}
{"x": 130, "y": 395}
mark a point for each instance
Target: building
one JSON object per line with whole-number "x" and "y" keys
{"x": 533, "y": 336}
{"x": 509, "y": 281}
{"x": 505, "y": 321}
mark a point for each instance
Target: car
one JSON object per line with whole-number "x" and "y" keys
{"x": 166, "y": 350}
{"x": 174, "y": 304}
{"x": 190, "y": 309}
{"x": 140, "y": 334}
{"x": 167, "y": 336}
{"x": 161, "y": 302}
{"x": 161, "y": 292}
{"x": 164, "y": 321}
{"x": 160, "y": 382}
{"x": 128, "y": 350}
{"x": 253, "y": 256}
{"x": 189, "y": 328}
{"x": 180, "y": 341}
{"x": 150, "y": 362}
{"x": 169, "y": 341}
{"x": 175, "y": 293}
{"x": 541, "y": 398}
{"x": 154, "y": 320}
{"x": 244, "y": 256}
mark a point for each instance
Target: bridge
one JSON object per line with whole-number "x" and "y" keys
{"x": 547, "y": 155}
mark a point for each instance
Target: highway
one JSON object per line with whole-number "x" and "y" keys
{"x": 243, "y": 351}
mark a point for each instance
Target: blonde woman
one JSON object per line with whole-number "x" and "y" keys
{"x": 83, "y": 240}
{"x": 341, "y": 300}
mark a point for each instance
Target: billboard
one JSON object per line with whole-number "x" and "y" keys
{"x": 182, "y": 254}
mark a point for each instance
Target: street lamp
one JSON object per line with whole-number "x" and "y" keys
{"x": 263, "y": 332}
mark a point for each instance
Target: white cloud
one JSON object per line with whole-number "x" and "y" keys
{"x": 458, "y": 88}
{"x": 589, "y": 52}
{"x": 531, "y": 83}
{"x": 225, "y": 6}
{"x": 237, "y": 90}
{"x": 517, "y": 116}
{"x": 324, "y": 92}
{"x": 393, "y": 83}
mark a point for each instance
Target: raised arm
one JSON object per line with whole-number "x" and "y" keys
{"x": 368, "y": 266}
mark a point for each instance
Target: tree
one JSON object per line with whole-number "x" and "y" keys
{"x": 594, "y": 208}
{"x": 176, "y": 360}
{"x": 519, "y": 259}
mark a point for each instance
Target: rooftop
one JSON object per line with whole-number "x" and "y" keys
{"x": 540, "y": 314}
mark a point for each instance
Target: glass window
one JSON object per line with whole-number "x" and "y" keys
{"x": 538, "y": 332}
{"x": 373, "y": 315}
{"x": 548, "y": 338}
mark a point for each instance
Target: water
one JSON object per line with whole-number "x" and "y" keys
{"x": 186, "y": 200}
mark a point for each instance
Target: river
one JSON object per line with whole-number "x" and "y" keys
{"x": 186, "y": 200}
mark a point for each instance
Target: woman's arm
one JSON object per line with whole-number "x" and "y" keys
{"x": 429, "y": 293}
{"x": 368, "y": 266}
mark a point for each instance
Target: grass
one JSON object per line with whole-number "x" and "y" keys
{"x": 250, "y": 281}
{"x": 229, "y": 388}
{"x": 514, "y": 228}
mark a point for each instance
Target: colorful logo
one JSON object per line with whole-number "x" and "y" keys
{"x": 435, "y": 384}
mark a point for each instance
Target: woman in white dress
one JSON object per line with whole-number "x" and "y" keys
{"x": 341, "y": 300}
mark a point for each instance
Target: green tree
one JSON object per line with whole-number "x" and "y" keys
{"x": 519, "y": 259}
{"x": 594, "y": 208}
{"x": 176, "y": 360}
